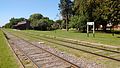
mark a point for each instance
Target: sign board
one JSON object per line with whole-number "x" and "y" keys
{"x": 90, "y": 23}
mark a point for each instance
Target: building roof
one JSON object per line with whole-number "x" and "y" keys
{"x": 21, "y": 23}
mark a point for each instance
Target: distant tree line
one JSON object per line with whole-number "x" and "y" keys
{"x": 13, "y": 21}
{"x": 76, "y": 14}
{"x": 37, "y": 22}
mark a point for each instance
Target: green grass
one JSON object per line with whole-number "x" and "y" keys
{"x": 80, "y": 54}
{"x": 7, "y": 60}
{"x": 102, "y": 38}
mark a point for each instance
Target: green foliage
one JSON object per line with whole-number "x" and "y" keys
{"x": 107, "y": 12}
{"x": 45, "y": 24}
{"x": 65, "y": 8}
{"x": 80, "y": 17}
{"x": 42, "y": 24}
{"x": 115, "y": 12}
{"x": 45, "y": 17}
{"x": 34, "y": 19}
{"x": 8, "y": 25}
{"x": 35, "y": 16}
{"x": 101, "y": 12}
{"x": 78, "y": 22}
{"x": 59, "y": 21}
{"x": 58, "y": 24}
{"x": 39, "y": 22}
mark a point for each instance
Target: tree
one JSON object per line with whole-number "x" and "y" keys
{"x": 39, "y": 22}
{"x": 107, "y": 12}
{"x": 34, "y": 18}
{"x": 66, "y": 10}
{"x": 101, "y": 12}
{"x": 80, "y": 17}
{"x": 46, "y": 18}
{"x": 115, "y": 12}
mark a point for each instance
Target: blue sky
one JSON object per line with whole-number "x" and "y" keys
{"x": 24, "y": 8}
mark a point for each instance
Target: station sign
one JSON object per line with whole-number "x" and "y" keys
{"x": 90, "y": 23}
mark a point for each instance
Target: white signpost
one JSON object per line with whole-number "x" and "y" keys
{"x": 88, "y": 24}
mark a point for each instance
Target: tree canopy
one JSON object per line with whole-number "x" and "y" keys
{"x": 39, "y": 22}
{"x": 101, "y": 12}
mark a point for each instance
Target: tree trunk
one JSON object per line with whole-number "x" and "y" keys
{"x": 67, "y": 21}
{"x": 104, "y": 27}
{"x": 66, "y": 25}
{"x": 113, "y": 30}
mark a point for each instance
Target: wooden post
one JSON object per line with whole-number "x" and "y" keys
{"x": 93, "y": 30}
{"x": 87, "y": 30}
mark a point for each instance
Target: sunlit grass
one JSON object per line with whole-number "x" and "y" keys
{"x": 7, "y": 60}
{"x": 102, "y": 38}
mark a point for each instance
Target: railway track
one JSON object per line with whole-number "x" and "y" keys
{"x": 66, "y": 43}
{"x": 116, "y": 50}
{"x": 40, "y": 57}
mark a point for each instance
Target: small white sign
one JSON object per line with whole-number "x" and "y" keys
{"x": 90, "y": 23}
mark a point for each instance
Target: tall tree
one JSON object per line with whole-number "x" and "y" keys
{"x": 107, "y": 12}
{"x": 101, "y": 12}
{"x": 79, "y": 19}
{"x": 115, "y": 12}
{"x": 66, "y": 11}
